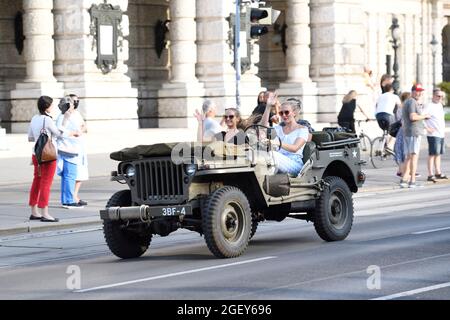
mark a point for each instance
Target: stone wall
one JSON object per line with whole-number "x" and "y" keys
{"x": 12, "y": 65}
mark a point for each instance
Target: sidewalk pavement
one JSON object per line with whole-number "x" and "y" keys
{"x": 16, "y": 177}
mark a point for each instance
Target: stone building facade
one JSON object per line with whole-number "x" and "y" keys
{"x": 316, "y": 51}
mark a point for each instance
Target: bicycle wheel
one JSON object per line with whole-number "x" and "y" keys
{"x": 380, "y": 157}
{"x": 365, "y": 148}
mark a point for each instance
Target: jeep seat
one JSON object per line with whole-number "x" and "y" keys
{"x": 319, "y": 137}
{"x": 308, "y": 151}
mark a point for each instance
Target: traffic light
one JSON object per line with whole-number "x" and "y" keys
{"x": 257, "y": 30}
{"x": 257, "y": 21}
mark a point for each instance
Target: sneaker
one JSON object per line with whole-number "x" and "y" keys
{"x": 72, "y": 206}
{"x": 83, "y": 203}
{"x": 403, "y": 184}
{"x": 399, "y": 174}
{"x": 431, "y": 179}
{"x": 418, "y": 175}
{"x": 441, "y": 176}
{"x": 413, "y": 185}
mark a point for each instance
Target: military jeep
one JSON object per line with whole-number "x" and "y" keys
{"x": 223, "y": 191}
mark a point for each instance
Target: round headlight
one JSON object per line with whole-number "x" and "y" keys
{"x": 190, "y": 169}
{"x": 130, "y": 171}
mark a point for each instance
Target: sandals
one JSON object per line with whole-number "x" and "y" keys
{"x": 441, "y": 176}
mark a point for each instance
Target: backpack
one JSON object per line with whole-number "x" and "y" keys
{"x": 44, "y": 149}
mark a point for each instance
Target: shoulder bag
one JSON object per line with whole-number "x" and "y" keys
{"x": 44, "y": 148}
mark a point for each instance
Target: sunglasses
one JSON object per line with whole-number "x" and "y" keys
{"x": 285, "y": 113}
{"x": 231, "y": 117}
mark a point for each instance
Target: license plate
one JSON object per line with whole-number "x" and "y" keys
{"x": 170, "y": 211}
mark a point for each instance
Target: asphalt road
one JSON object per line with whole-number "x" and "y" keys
{"x": 399, "y": 248}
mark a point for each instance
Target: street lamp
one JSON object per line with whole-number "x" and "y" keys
{"x": 395, "y": 32}
{"x": 434, "y": 46}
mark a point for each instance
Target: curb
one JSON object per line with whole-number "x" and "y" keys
{"x": 28, "y": 228}
{"x": 397, "y": 187}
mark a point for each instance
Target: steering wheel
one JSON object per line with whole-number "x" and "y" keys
{"x": 257, "y": 134}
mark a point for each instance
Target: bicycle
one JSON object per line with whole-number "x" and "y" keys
{"x": 365, "y": 145}
{"x": 381, "y": 155}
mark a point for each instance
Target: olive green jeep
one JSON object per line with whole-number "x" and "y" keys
{"x": 223, "y": 191}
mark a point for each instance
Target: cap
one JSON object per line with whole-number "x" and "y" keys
{"x": 417, "y": 87}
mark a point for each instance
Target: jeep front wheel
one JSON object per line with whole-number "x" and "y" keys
{"x": 226, "y": 220}
{"x": 333, "y": 217}
{"x": 124, "y": 243}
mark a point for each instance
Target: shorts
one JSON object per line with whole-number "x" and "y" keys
{"x": 411, "y": 145}
{"x": 384, "y": 120}
{"x": 436, "y": 146}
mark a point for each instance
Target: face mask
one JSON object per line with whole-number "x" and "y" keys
{"x": 76, "y": 103}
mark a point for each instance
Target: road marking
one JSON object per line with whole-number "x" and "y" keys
{"x": 432, "y": 230}
{"x": 414, "y": 292}
{"x": 172, "y": 275}
{"x": 333, "y": 277}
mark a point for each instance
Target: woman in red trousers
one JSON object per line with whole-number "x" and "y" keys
{"x": 44, "y": 173}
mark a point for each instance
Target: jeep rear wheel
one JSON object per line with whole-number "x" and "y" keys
{"x": 333, "y": 217}
{"x": 124, "y": 243}
{"x": 226, "y": 221}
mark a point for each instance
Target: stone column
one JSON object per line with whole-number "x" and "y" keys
{"x": 337, "y": 49}
{"x": 107, "y": 100}
{"x": 298, "y": 58}
{"x": 39, "y": 56}
{"x": 183, "y": 93}
{"x": 215, "y": 57}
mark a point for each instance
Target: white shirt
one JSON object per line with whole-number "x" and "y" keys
{"x": 210, "y": 128}
{"x": 291, "y": 138}
{"x": 437, "y": 120}
{"x": 387, "y": 102}
{"x": 36, "y": 125}
{"x": 69, "y": 145}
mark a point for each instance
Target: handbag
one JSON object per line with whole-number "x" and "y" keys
{"x": 393, "y": 128}
{"x": 44, "y": 148}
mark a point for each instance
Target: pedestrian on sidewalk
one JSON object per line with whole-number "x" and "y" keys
{"x": 68, "y": 154}
{"x": 208, "y": 127}
{"x": 435, "y": 127}
{"x": 44, "y": 173}
{"x": 413, "y": 129}
{"x": 82, "y": 167}
{"x": 398, "y": 147}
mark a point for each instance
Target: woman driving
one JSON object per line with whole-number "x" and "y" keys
{"x": 292, "y": 136}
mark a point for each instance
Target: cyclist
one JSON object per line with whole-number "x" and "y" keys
{"x": 346, "y": 117}
{"x": 384, "y": 112}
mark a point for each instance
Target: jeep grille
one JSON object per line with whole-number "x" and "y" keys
{"x": 159, "y": 182}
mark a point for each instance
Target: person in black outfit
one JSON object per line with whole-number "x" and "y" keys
{"x": 346, "y": 117}
{"x": 261, "y": 107}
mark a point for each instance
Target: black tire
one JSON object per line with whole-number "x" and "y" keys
{"x": 380, "y": 158}
{"x": 333, "y": 217}
{"x": 123, "y": 243}
{"x": 227, "y": 222}
{"x": 254, "y": 226}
